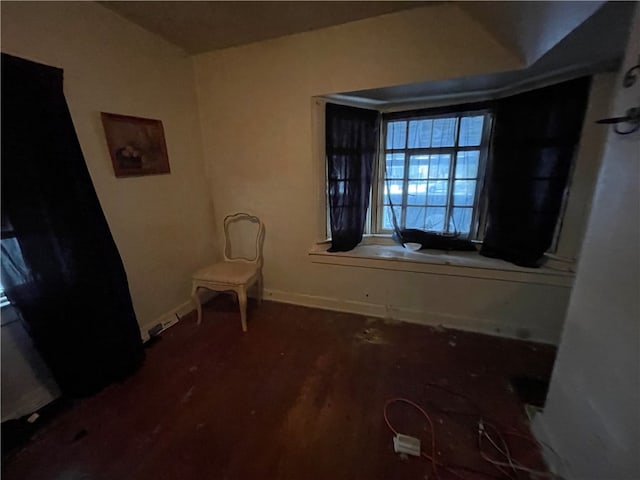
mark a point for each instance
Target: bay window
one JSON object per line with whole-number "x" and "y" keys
{"x": 432, "y": 180}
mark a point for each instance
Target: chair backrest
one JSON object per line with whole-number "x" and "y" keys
{"x": 244, "y": 220}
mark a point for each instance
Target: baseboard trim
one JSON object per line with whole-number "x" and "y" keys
{"x": 174, "y": 315}
{"x": 388, "y": 312}
{"x": 393, "y": 312}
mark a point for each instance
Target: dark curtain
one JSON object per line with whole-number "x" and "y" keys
{"x": 60, "y": 264}
{"x": 351, "y": 146}
{"x": 534, "y": 139}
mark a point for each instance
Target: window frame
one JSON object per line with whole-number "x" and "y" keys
{"x": 478, "y": 220}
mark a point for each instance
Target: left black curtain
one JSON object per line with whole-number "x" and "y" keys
{"x": 60, "y": 267}
{"x": 351, "y": 145}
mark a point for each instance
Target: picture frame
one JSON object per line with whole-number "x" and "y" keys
{"x": 136, "y": 145}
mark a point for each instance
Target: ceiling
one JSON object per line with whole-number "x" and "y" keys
{"x": 596, "y": 45}
{"x": 551, "y": 38}
{"x": 202, "y": 26}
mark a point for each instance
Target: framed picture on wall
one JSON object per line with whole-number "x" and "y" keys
{"x": 136, "y": 145}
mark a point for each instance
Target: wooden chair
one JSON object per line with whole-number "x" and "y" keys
{"x": 235, "y": 274}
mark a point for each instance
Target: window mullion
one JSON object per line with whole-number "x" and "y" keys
{"x": 405, "y": 190}
{"x": 377, "y": 199}
{"x": 452, "y": 174}
{"x": 405, "y": 179}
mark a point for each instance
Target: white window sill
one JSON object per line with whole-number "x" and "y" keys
{"x": 437, "y": 262}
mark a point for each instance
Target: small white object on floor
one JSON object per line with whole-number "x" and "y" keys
{"x": 33, "y": 417}
{"x": 405, "y": 444}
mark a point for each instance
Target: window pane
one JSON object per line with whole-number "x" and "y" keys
{"x": 417, "y": 193}
{"x": 420, "y": 133}
{"x": 415, "y": 217}
{"x": 434, "y": 219}
{"x": 444, "y": 131}
{"x": 394, "y": 167}
{"x": 396, "y": 134}
{"x": 424, "y": 179}
{"x": 418, "y": 166}
{"x": 461, "y": 220}
{"x": 393, "y": 192}
{"x": 464, "y": 192}
{"x": 470, "y": 131}
{"x": 387, "y": 222}
{"x": 439, "y": 166}
{"x": 467, "y": 164}
{"x": 438, "y": 192}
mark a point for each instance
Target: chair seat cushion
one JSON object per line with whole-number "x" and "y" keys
{"x": 231, "y": 273}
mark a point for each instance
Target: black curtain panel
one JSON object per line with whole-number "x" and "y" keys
{"x": 351, "y": 146}
{"x": 60, "y": 264}
{"x": 534, "y": 140}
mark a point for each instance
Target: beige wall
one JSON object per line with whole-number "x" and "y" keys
{"x": 161, "y": 224}
{"x": 585, "y": 171}
{"x": 255, "y": 128}
{"x": 592, "y": 413}
{"x": 256, "y": 113}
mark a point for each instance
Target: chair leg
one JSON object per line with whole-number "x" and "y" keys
{"x": 260, "y": 288}
{"x": 242, "y": 299}
{"x": 196, "y": 300}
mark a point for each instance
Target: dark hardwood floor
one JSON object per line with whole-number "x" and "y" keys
{"x": 299, "y": 396}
